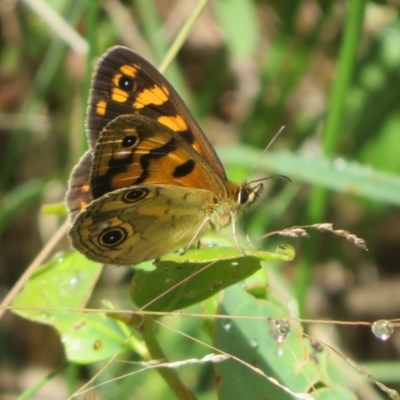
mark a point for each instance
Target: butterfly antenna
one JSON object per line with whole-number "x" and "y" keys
{"x": 286, "y": 178}
{"x": 264, "y": 151}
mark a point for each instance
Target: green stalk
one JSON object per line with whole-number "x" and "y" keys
{"x": 91, "y": 36}
{"x": 169, "y": 375}
{"x": 182, "y": 35}
{"x": 337, "y": 101}
{"x": 161, "y": 49}
{"x": 30, "y": 393}
{"x": 41, "y": 83}
{"x": 336, "y": 109}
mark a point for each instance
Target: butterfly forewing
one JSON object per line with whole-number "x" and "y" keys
{"x": 125, "y": 83}
{"x": 134, "y": 149}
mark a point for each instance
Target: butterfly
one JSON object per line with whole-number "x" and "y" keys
{"x": 151, "y": 183}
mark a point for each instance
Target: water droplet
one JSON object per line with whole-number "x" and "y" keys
{"x": 279, "y": 349}
{"x": 382, "y": 329}
{"x": 393, "y": 394}
{"x": 72, "y": 284}
{"x": 278, "y": 329}
{"x": 234, "y": 264}
{"x": 177, "y": 312}
{"x": 226, "y": 325}
{"x": 362, "y": 370}
{"x": 169, "y": 281}
{"x": 73, "y": 281}
{"x": 254, "y": 343}
{"x": 46, "y": 316}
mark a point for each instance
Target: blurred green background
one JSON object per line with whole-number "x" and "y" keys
{"x": 329, "y": 71}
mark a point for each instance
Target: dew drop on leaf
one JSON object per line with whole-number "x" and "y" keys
{"x": 382, "y": 329}
{"x": 226, "y": 325}
{"x": 254, "y": 343}
{"x": 393, "y": 394}
{"x": 279, "y": 350}
{"x": 71, "y": 284}
{"x": 278, "y": 329}
{"x": 46, "y": 317}
{"x": 362, "y": 370}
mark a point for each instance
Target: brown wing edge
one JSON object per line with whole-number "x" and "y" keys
{"x": 78, "y": 194}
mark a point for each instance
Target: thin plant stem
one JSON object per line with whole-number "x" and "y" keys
{"x": 336, "y": 109}
{"x": 169, "y": 375}
{"x": 39, "y": 259}
{"x": 182, "y": 36}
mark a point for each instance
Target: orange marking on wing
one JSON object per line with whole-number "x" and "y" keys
{"x": 82, "y": 204}
{"x": 116, "y": 79}
{"x": 101, "y": 107}
{"x": 156, "y": 95}
{"x": 129, "y": 70}
{"x": 176, "y": 123}
{"x": 85, "y": 188}
{"x": 119, "y": 95}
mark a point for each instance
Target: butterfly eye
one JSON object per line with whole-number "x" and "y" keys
{"x": 134, "y": 195}
{"x": 243, "y": 196}
{"x": 129, "y": 141}
{"x": 112, "y": 237}
{"x": 125, "y": 82}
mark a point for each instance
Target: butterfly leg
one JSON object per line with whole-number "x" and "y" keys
{"x": 235, "y": 235}
{"x": 248, "y": 240}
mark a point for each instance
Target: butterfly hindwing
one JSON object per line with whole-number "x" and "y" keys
{"x": 79, "y": 194}
{"x": 131, "y": 225}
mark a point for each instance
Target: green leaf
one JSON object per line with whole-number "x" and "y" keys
{"x": 182, "y": 280}
{"x": 66, "y": 281}
{"x": 293, "y": 362}
{"x": 52, "y": 294}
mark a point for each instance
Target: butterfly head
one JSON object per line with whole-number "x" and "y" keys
{"x": 247, "y": 194}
